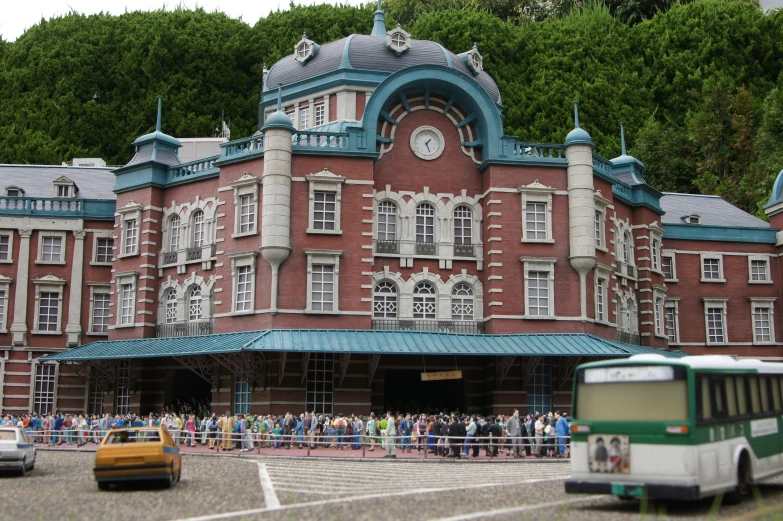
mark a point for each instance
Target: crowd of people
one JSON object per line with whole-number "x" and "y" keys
{"x": 448, "y": 435}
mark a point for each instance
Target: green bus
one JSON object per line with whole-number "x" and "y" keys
{"x": 683, "y": 428}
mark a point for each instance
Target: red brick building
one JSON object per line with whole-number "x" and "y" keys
{"x": 378, "y": 226}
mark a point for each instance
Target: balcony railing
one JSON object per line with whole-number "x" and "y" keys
{"x": 387, "y": 246}
{"x": 57, "y": 207}
{"x": 627, "y": 337}
{"x": 213, "y": 250}
{"x": 468, "y": 327}
{"x": 426, "y": 248}
{"x": 169, "y": 257}
{"x": 200, "y": 328}
{"x": 625, "y": 269}
{"x": 630, "y": 270}
{"x": 465, "y": 250}
{"x": 193, "y": 254}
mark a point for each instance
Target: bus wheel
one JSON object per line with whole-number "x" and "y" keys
{"x": 742, "y": 489}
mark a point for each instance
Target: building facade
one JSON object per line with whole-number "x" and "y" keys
{"x": 379, "y": 225}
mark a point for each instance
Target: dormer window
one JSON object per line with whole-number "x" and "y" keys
{"x": 64, "y": 187}
{"x": 305, "y": 49}
{"x": 693, "y": 218}
{"x": 475, "y": 62}
{"x": 398, "y": 40}
{"x": 14, "y": 191}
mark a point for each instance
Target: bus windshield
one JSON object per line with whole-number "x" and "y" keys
{"x": 632, "y": 393}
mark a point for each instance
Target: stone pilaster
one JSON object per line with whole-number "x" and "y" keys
{"x": 19, "y": 326}
{"x": 73, "y": 330}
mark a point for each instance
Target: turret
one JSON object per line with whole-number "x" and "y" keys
{"x": 276, "y": 202}
{"x": 379, "y": 27}
{"x": 581, "y": 205}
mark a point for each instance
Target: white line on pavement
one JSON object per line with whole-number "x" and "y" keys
{"x": 523, "y": 508}
{"x": 270, "y": 497}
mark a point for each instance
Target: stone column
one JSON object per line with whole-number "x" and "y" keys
{"x": 581, "y": 216}
{"x": 73, "y": 330}
{"x": 19, "y": 326}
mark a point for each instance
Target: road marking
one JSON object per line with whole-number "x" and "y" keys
{"x": 523, "y": 508}
{"x": 343, "y": 500}
{"x": 270, "y": 496}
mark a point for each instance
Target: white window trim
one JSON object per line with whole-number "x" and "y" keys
{"x": 603, "y": 272}
{"x": 768, "y": 303}
{"x": 759, "y": 257}
{"x": 673, "y": 255}
{"x": 540, "y": 264}
{"x": 49, "y": 284}
{"x": 12, "y": 188}
{"x": 673, "y": 302}
{"x": 130, "y": 212}
{"x": 330, "y": 257}
{"x": 102, "y": 289}
{"x": 536, "y": 192}
{"x": 659, "y": 292}
{"x": 601, "y": 205}
{"x": 33, "y": 373}
{"x": 10, "y": 234}
{"x": 716, "y": 303}
{"x": 126, "y": 277}
{"x": 245, "y": 185}
{"x": 108, "y": 234}
{"x": 64, "y": 181}
{"x": 5, "y": 285}
{"x": 325, "y": 181}
{"x": 63, "y": 244}
{"x": 656, "y": 235}
{"x": 239, "y": 259}
{"x": 718, "y": 256}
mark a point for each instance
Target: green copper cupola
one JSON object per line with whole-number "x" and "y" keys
{"x": 578, "y": 136}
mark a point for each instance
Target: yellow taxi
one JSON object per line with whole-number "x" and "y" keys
{"x": 137, "y": 454}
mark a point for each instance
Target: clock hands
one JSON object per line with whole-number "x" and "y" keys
{"x": 428, "y": 144}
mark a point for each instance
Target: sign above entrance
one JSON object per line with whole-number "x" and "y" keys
{"x": 441, "y": 375}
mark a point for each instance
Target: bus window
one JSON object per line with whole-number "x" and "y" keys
{"x": 731, "y": 397}
{"x": 742, "y": 397}
{"x": 764, "y": 391}
{"x": 706, "y": 406}
{"x": 775, "y": 392}
{"x": 718, "y": 397}
{"x": 755, "y": 401}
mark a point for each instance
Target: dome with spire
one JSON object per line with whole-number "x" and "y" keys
{"x": 578, "y": 136}
{"x": 382, "y": 52}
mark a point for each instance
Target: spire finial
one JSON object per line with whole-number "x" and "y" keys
{"x": 379, "y": 27}
{"x": 622, "y": 137}
{"x": 160, "y": 112}
{"x": 379, "y": 5}
{"x": 576, "y": 114}
{"x": 280, "y": 97}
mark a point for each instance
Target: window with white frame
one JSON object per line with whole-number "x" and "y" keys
{"x": 243, "y": 269}
{"x": 387, "y": 221}
{"x": 627, "y": 319}
{"x": 758, "y": 269}
{"x": 669, "y": 267}
{"x": 245, "y": 205}
{"x": 539, "y": 387}
{"x": 241, "y": 396}
{"x": 13, "y": 191}
{"x": 122, "y": 390}
{"x": 104, "y": 250}
{"x": 715, "y": 320}
{"x": 655, "y": 254}
{"x": 425, "y": 301}
{"x": 672, "y": 321}
{"x": 171, "y": 306}
{"x": 3, "y": 305}
{"x": 95, "y": 393}
{"x": 384, "y": 300}
{"x": 320, "y": 115}
{"x": 64, "y": 187}
{"x": 425, "y": 223}
{"x": 100, "y": 300}
{"x": 598, "y": 229}
{"x": 304, "y": 118}
{"x": 195, "y": 304}
{"x": 462, "y": 303}
{"x": 6, "y": 239}
{"x": 762, "y": 312}
{"x": 44, "y": 392}
{"x": 658, "y": 315}
{"x": 48, "y": 304}
{"x": 539, "y": 286}
{"x": 325, "y": 196}
{"x": 536, "y": 212}
{"x": 322, "y": 287}
{"x": 198, "y": 229}
{"x": 51, "y": 247}
{"x": 320, "y": 382}
{"x": 63, "y": 191}
{"x": 601, "y": 295}
{"x": 126, "y": 304}
{"x": 463, "y": 225}
{"x": 628, "y": 248}
{"x": 712, "y": 267}
{"x": 174, "y": 229}
{"x": 130, "y": 237}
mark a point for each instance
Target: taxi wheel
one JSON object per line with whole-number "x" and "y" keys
{"x": 171, "y": 480}
{"x": 23, "y": 469}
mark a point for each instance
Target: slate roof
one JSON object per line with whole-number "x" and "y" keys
{"x": 359, "y": 342}
{"x": 369, "y": 53}
{"x": 38, "y": 180}
{"x": 714, "y": 211}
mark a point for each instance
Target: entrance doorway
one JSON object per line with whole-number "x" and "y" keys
{"x": 404, "y": 391}
{"x": 185, "y": 390}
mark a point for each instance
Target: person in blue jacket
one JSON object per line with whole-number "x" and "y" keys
{"x": 561, "y": 429}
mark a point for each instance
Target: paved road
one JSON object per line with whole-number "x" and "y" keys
{"x": 218, "y": 488}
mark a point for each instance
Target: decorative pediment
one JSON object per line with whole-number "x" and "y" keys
{"x": 536, "y": 187}
{"x": 325, "y": 176}
{"x": 63, "y": 180}
{"x": 50, "y": 280}
{"x": 247, "y": 179}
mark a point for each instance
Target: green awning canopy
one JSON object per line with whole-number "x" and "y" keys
{"x": 358, "y": 342}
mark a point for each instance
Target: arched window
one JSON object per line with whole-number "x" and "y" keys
{"x": 387, "y": 221}
{"x": 424, "y": 297}
{"x": 384, "y": 300}
{"x": 462, "y": 302}
{"x": 630, "y": 310}
{"x": 171, "y": 306}
{"x": 198, "y": 229}
{"x": 194, "y": 304}
{"x": 425, "y": 223}
{"x": 174, "y": 233}
{"x": 463, "y": 228}
{"x": 628, "y": 248}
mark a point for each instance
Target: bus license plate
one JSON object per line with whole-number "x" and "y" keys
{"x": 627, "y": 490}
{"x": 609, "y": 453}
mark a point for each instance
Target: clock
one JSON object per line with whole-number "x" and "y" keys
{"x": 427, "y": 143}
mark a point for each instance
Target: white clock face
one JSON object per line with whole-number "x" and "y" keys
{"x": 427, "y": 143}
